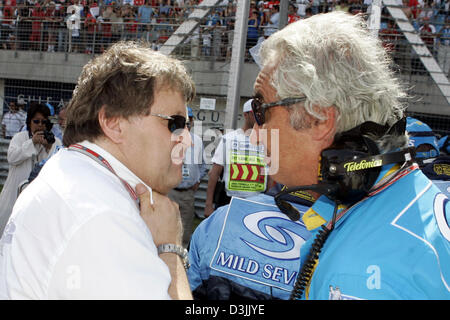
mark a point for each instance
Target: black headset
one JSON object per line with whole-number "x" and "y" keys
{"x": 349, "y": 168}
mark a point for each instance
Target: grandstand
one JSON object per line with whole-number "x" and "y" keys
{"x": 44, "y": 44}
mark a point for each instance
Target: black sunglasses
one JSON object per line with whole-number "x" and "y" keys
{"x": 259, "y": 108}
{"x": 37, "y": 121}
{"x": 175, "y": 122}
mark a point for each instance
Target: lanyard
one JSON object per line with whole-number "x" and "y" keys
{"x": 99, "y": 159}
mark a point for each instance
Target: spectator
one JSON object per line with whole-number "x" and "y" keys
{"x": 23, "y": 26}
{"x": 273, "y": 21}
{"x": 75, "y": 6}
{"x": 434, "y": 165}
{"x": 195, "y": 42}
{"x": 61, "y": 29}
{"x": 319, "y": 88}
{"x": 301, "y": 7}
{"x": 145, "y": 13}
{"x": 428, "y": 34}
{"x": 36, "y": 27}
{"x": 230, "y": 18}
{"x": 252, "y": 31}
{"x": 73, "y": 25}
{"x": 12, "y": 121}
{"x": 422, "y": 138}
{"x": 444, "y": 47}
{"x": 58, "y": 129}
{"x": 292, "y": 14}
{"x": 194, "y": 169}
{"x": 90, "y": 24}
{"x": 415, "y": 8}
{"x": 342, "y": 5}
{"x": 129, "y": 20}
{"x": 314, "y": 5}
{"x": 50, "y": 25}
{"x": 25, "y": 149}
{"x": 116, "y": 25}
{"x": 236, "y": 158}
{"x": 390, "y": 37}
{"x": 125, "y": 134}
{"x": 7, "y": 27}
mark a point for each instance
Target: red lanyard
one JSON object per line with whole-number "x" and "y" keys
{"x": 99, "y": 159}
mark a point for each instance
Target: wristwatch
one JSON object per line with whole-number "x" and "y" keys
{"x": 179, "y": 250}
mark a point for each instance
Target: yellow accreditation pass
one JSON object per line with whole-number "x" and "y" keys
{"x": 247, "y": 172}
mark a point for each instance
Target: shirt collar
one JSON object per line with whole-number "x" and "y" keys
{"x": 121, "y": 170}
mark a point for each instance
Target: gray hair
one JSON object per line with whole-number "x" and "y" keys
{"x": 334, "y": 60}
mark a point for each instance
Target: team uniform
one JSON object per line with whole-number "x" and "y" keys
{"x": 247, "y": 250}
{"x": 391, "y": 245}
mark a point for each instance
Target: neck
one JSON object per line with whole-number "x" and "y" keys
{"x": 246, "y": 127}
{"x": 111, "y": 147}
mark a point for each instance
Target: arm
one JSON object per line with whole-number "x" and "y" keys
{"x": 20, "y": 149}
{"x": 214, "y": 175}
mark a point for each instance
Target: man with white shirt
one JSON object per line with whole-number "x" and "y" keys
{"x": 96, "y": 223}
{"x": 12, "y": 121}
{"x": 242, "y": 164}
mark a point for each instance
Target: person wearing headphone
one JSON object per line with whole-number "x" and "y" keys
{"x": 379, "y": 226}
{"x": 434, "y": 164}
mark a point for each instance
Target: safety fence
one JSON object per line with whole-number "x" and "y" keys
{"x": 4, "y": 167}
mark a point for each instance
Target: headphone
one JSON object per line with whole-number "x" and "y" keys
{"x": 349, "y": 168}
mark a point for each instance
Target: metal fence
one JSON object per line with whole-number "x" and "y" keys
{"x": 4, "y": 167}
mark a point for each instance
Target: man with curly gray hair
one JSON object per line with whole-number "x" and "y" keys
{"x": 380, "y": 227}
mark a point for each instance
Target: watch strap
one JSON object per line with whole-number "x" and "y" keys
{"x": 173, "y": 248}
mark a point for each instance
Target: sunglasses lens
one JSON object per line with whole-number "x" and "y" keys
{"x": 36, "y": 121}
{"x": 258, "y": 112}
{"x": 178, "y": 122}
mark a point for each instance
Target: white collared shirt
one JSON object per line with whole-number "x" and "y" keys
{"x": 76, "y": 233}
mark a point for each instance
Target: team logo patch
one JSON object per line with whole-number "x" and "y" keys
{"x": 259, "y": 243}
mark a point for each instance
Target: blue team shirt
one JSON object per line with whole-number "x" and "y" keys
{"x": 393, "y": 245}
{"x": 251, "y": 243}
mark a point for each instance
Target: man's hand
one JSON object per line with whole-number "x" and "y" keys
{"x": 162, "y": 218}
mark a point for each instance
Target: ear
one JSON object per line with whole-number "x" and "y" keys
{"x": 111, "y": 127}
{"x": 325, "y": 130}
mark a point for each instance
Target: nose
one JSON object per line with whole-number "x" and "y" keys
{"x": 183, "y": 137}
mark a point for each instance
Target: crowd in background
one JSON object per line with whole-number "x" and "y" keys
{"x": 90, "y": 26}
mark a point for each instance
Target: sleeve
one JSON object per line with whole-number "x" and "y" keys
{"x": 219, "y": 154}
{"x": 193, "y": 272}
{"x": 20, "y": 150}
{"x": 110, "y": 257}
{"x": 203, "y": 167}
{"x": 201, "y": 250}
